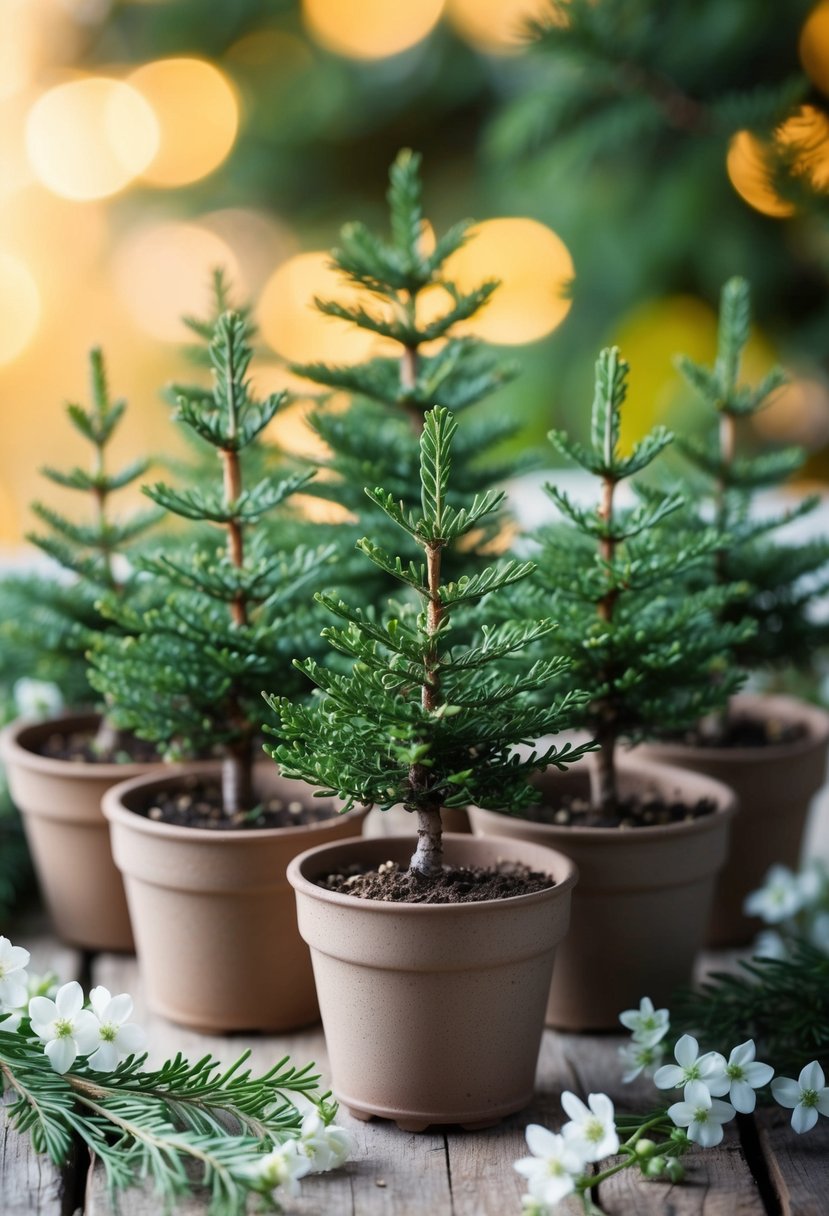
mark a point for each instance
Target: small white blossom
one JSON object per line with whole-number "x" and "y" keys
{"x": 552, "y": 1169}
{"x": 769, "y": 944}
{"x": 325, "y": 1146}
{"x": 691, "y": 1066}
{"x": 592, "y": 1127}
{"x": 640, "y": 1058}
{"x": 780, "y": 897}
{"x": 117, "y": 1038}
{"x": 701, "y": 1114}
{"x": 742, "y": 1074}
{"x": 808, "y": 1095}
{"x": 530, "y": 1206}
{"x": 282, "y": 1167}
{"x": 13, "y": 978}
{"x": 36, "y": 698}
{"x": 67, "y": 1029}
{"x": 648, "y": 1025}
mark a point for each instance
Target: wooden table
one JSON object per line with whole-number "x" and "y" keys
{"x": 762, "y": 1167}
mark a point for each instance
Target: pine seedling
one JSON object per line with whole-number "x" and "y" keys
{"x": 782, "y": 577}
{"x": 414, "y": 308}
{"x": 58, "y": 620}
{"x": 611, "y": 576}
{"x": 417, "y": 720}
{"x": 189, "y": 672}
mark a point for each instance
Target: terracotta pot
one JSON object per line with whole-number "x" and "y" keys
{"x": 641, "y": 909}
{"x": 433, "y": 1013}
{"x": 60, "y": 804}
{"x": 213, "y": 915}
{"x": 774, "y": 787}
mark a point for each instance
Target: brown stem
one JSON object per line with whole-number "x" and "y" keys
{"x": 232, "y": 477}
{"x": 237, "y": 778}
{"x": 603, "y": 791}
{"x": 428, "y": 856}
{"x": 714, "y": 726}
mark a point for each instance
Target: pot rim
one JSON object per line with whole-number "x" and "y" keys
{"x": 814, "y": 717}
{"x": 116, "y": 812}
{"x": 565, "y": 877}
{"x": 13, "y": 751}
{"x": 622, "y": 837}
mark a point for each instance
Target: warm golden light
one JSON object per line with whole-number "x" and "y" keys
{"x": 89, "y": 138}
{"x": 497, "y": 27}
{"x": 749, "y": 169}
{"x": 534, "y": 267}
{"x": 294, "y": 328}
{"x": 798, "y": 413}
{"x": 370, "y": 29}
{"x": 807, "y": 133}
{"x": 163, "y": 273}
{"x": 198, "y": 116}
{"x": 814, "y": 46}
{"x": 19, "y": 307}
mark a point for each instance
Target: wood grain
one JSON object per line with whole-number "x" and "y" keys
{"x": 798, "y": 1164}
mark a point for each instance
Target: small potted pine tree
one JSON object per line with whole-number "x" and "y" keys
{"x": 59, "y": 767}
{"x": 420, "y": 318}
{"x": 203, "y": 849}
{"x": 771, "y": 749}
{"x": 403, "y": 939}
{"x": 647, "y": 839}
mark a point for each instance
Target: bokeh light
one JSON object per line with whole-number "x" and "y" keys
{"x": 497, "y": 27}
{"x": 807, "y": 134}
{"x": 749, "y": 169}
{"x": 163, "y": 273}
{"x": 259, "y": 241}
{"x": 198, "y": 117}
{"x": 370, "y": 29}
{"x": 814, "y": 46}
{"x": 294, "y": 328}
{"x": 19, "y": 306}
{"x": 798, "y": 413}
{"x": 535, "y": 269}
{"x": 90, "y": 138}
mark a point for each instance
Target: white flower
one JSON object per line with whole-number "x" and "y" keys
{"x": 811, "y": 881}
{"x": 742, "y": 1074}
{"x": 117, "y": 1038}
{"x": 592, "y": 1127}
{"x": 647, "y": 1024}
{"x": 282, "y": 1167}
{"x": 67, "y": 1029}
{"x": 13, "y": 978}
{"x": 819, "y": 932}
{"x": 640, "y": 1058}
{"x": 326, "y": 1147}
{"x": 808, "y": 1095}
{"x": 691, "y": 1066}
{"x": 530, "y": 1206}
{"x": 701, "y": 1114}
{"x": 37, "y": 698}
{"x": 769, "y": 944}
{"x": 554, "y": 1166}
{"x": 780, "y": 898}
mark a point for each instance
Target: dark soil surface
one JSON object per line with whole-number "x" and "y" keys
{"x": 390, "y": 884}
{"x": 79, "y": 747}
{"x": 743, "y": 731}
{"x": 196, "y": 803}
{"x": 648, "y": 811}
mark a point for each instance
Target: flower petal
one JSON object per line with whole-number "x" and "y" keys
{"x": 120, "y": 1008}
{"x": 104, "y": 1058}
{"x": 804, "y": 1118}
{"x": 686, "y": 1050}
{"x": 42, "y": 1011}
{"x": 541, "y": 1141}
{"x": 698, "y": 1094}
{"x": 62, "y": 1054}
{"x": 823, "y": 1101}
{"x": 99, "y": 999}
{"x": 681, "y": 1113}
{"x": 811, "y": 1077}
{"x": 131, "y": 1039}
{"x": 574, "y": 1107}
{"x": 758, "y": 1074}
{"x": 69, "y": 999}
{"x": 786, "y": 1091}
{"x": 743, "y": 1053}
{"x": 86, "y": 1031}
{"x": 706, "y": 1134}
{"x": 743, "y": 1097}
{"x": 669, "y": 1076}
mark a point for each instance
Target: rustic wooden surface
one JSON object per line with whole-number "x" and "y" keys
{"x": 762, "y": 1168}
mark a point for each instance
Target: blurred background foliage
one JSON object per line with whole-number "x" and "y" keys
{"x": 624, "y": 158}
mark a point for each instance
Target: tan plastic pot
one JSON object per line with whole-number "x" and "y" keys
{"x": 433, "y": 1013}
{"x": 640, "y": 911}
{"x": 774, "y": 786}
{"x": 213, "y": 915}
{"x": 60, "y": 804}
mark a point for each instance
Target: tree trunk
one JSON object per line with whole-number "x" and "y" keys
{"x": 604, "y": 795}
{"x": 237, "y": 779}
{"x": 428, "y": 856}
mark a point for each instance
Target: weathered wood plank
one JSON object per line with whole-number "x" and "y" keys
{"x": 391, "y": 1173}
{"x": 798, "y": 1164}
{"x": 30, "y": 1185}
